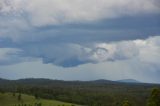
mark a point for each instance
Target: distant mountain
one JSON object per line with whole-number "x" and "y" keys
{"x": 102, "y": 81}
{"x": 42, "y": 81}
{"x": 129, "y": 81}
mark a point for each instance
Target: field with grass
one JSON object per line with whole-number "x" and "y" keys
{"x": 8, "y": 99}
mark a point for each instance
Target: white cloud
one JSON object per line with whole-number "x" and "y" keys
{"x": 149, "y": 50}
{"x": 50, "y": 12}
{"x": 146, "y": 51}
{"x": 62, "y": 11}
{"x": 18, "y": 18}
{"x": 11, "y": 6}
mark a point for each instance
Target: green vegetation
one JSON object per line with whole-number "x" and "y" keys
{"x": 7, "y": 99}
{"x": 126, "y": 103}
{"x": 88, "y": 93}
{"x": 154, "y": 99}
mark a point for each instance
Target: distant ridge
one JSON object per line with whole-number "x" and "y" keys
{"x": 129, "y": 81}
{"x": 48, "y": 81}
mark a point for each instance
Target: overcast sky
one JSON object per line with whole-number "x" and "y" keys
{"x": 80, "y": 39}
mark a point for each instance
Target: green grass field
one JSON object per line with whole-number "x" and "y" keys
{"x": 8, "y": 99}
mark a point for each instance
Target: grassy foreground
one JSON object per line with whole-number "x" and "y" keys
{"x": 8, "y": 99}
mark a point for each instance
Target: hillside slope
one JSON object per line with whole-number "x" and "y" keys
{"x": 7, "y": 99}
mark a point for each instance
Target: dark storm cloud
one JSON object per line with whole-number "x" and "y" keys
{"x": 68, "y": 36}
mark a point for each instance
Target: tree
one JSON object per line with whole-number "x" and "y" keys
{"x": 36, "y": 96}
{"x": 13, "y": 93}
{"x": 19, "y": 97}
{"x": 154, "y": 99}
{"x": 2, "y": 91}
{"x": 39, "y": 104}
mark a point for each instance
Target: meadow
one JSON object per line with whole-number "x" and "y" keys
{"x": 8, "y": 99}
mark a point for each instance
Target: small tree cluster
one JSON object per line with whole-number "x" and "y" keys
{"x": 126, "y": 103}
{"x": 19, "y": 97}
{"x": 38, "y": 104}
{"x": 154, "y": 99}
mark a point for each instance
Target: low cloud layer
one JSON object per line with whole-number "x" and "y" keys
{"x": 73, "y": 54}
{"x": 70, "y": 55}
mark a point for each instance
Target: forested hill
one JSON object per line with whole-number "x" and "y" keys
{"x": 91, "y": 93}
{"x": 43, "y": 82}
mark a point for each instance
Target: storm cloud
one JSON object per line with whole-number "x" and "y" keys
{"x": 79, "y": 33}
{"x": 69, "y": 55}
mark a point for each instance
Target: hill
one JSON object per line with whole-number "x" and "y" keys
{"x": 91, "y": 93}
{"x": 129, "y": 81}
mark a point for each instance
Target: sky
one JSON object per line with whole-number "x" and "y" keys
{"x": 80, "y": 39}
